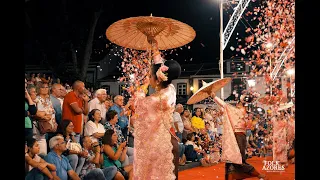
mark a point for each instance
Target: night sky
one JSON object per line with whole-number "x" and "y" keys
{"x": 53, "y": 25}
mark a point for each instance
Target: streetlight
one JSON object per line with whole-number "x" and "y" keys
{"x": 221, "y": 45}
{"x": 191, "y": 88}
{"x": 251, "y": 82}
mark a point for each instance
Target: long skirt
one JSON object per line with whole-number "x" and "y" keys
{"x": 244, "y": 168}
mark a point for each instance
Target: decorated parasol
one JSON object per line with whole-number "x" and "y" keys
{"x": 140, "y": 32}
{"x": 206, "y": 90}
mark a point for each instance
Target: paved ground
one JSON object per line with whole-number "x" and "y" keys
{"x": 217, "y": 172}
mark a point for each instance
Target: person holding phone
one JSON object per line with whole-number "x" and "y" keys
{"x": 114, "y": 154}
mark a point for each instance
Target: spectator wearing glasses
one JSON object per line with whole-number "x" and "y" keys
{"x": 122, "y": 117}
{"x": 45, "y": 113}
{"x": 63, "y": 168}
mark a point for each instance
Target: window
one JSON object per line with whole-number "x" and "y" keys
{"x": 182, "y": 89}
{"x": 237, "y": 67}
{"x": 239, "y": 85}
{"x": 122, "y": 90}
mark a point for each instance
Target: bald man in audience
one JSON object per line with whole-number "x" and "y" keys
{"x": 75, "y": 105}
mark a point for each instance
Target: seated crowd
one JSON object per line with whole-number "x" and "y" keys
{"x": 85, "y": 135}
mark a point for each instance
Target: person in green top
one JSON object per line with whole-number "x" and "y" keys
{"x": 114, "y": 154}
{"x": 30, "y": 109}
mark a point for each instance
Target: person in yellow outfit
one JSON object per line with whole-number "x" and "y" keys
{"x": 197, "y": 120}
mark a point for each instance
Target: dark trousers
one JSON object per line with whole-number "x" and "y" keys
{"x": 175, "y": 152}
{"x": 125, "y": 132}
{"x": 243, "y": 169}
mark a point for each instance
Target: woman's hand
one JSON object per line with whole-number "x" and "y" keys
{"x": 122, "y": 145}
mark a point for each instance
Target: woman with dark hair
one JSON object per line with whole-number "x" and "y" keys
{"x": 114, "y": 154}
{"x": 75, "y": 155}
{"x": 197, "y": 121}
{"x": 153, "y": 123}
{"x": 234, "y": 142}
{"x": 36, "y": 167}
{"x": 93, "y": 127}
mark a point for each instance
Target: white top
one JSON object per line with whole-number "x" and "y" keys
{"x": 96, "y": 104}
{"x": 193, "y": 144}
{"x": 177, "y": 119}
{"x": 36, "y": 158}
{"x": 91, "y": 128}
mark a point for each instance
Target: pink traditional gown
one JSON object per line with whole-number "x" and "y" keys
{"x": 280, "y": 140}
{"x": 153, "y": 158}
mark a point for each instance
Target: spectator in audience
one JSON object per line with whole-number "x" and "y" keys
{"x": 75, "y": 104}
{"x": 76, "y": 157}
{"x": 33, "y": 79}
{"x": 112, "y": 119}
{"x": 90, "y": 169}
{"x": 99, "y": 103}
{"x": 114, "y": 154}
{"x": 63, "y": 167}
{"x": 177, "y": 121}
{"x": 63, "y": 93}
{"x": 45, "y": 113}
{"x": 187, "y": 128}
{"x": 197, "y": 121}
{"x": 119, "y": 107}
{"x": 38, "y": 79}
{"x": 209, "y": 131}
{"x": 93, "y": 128}
{"x": 30, "y": 109}
{"x": 196, "y": 153}
{"x": 54, "y": 97}
{"x": 36, "y": 167}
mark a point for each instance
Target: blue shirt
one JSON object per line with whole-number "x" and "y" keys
{"x": 122, "y": 120}
{"x": 62, "y": 165}
{"x": 57, "y": 108}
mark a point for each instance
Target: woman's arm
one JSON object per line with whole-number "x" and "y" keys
{"x": 51, "y": 167}
{"x": 42, "y": 166}
{"x": 98, "y": 135}
{"x": 219, "y": 101}
{"x": 111, "y": 154}
{"x": 123, "y": 154}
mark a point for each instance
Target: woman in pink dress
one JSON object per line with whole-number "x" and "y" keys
{"x": 280, "y": 138}
{"x": 153, "y": 157}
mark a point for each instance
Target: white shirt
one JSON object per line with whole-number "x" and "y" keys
{"x": 36, "y": 158}
{"x": 91, "y": 128}
{"x": 96, "y": 104}
{"x": 193, "y": 144}
{"x": 177, "y": 119}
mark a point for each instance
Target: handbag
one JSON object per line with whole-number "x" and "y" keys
{"x": 74, "y": 146}
{"x": 47, "y": 126}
